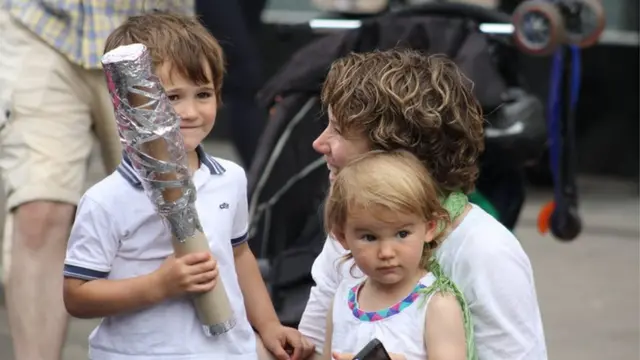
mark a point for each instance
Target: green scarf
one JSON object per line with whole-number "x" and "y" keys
{"x": 455, "y": 204}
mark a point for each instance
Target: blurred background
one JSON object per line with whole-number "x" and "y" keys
{"x": 608, "y": 108}
{"x": 589, "y": 288}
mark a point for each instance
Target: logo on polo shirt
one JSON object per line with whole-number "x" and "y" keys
{"x": 224, "y": 206}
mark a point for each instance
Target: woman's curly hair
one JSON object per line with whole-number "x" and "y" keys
{"x": 402, "y": 99}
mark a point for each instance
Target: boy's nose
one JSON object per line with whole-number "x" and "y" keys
{"x": 187, "y": 111}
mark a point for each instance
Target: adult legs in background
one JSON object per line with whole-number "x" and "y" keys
{"x": 226, "y": 21}
{"x": 44, "y": 148}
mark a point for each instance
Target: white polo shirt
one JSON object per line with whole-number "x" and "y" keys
{"x": 486, "y": 262}
{"x": 117, "y": 234}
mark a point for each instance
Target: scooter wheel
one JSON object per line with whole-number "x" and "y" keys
{"x": 538, "y": 27}
{"x": 566, "y": 225}
{"x": 584, "y": 21}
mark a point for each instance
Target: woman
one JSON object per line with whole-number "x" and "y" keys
{"x": 400, "y": 99}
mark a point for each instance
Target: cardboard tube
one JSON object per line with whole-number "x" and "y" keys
{"x": 212, "y": 307}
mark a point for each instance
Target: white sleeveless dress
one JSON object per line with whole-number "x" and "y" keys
{"x": 400, "y": 327}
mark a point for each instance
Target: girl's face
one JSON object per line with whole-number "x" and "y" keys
{"x": 337, "y": 149}
{"x": 387, "y": 246}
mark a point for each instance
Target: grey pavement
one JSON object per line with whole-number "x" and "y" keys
{"x": 588, "y": 289}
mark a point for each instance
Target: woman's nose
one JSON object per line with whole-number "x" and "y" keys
{"x": 320, "y": 144}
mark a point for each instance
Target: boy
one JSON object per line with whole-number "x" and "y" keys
{"x": 400, "y": 99}
{"x": 119, "y": 262}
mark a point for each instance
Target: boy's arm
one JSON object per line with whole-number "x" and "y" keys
{"x": 92, "y": 246}
{"x": 326, "y": 351}
{"x": 279, "y": 340}
{"x": 444, "y": 335}
{"x": 257, "y": 301}
{"x": 100, "y": 298}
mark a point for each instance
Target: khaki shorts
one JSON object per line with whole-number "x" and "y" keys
{"x": 55, "y": 108}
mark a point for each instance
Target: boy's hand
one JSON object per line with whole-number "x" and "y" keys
{"x": 286, "y": 343}
{"x": 189, "y": 274}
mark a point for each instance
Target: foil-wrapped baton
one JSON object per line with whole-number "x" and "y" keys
{"x": 149, "y": 130}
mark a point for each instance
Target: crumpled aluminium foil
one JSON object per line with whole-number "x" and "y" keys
{"x": 144, "y": 114}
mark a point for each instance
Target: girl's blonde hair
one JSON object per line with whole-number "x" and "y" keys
{"x": 395, "y": 181}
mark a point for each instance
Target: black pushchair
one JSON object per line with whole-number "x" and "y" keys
{"x": 288, "y": 180}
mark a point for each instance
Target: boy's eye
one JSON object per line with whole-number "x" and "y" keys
{"x": 204, "y": 95}
{"x": 403, "y": 234}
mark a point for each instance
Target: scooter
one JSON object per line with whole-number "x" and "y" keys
{"x": 560, "y": 28}
{"x": 541, "y": 27}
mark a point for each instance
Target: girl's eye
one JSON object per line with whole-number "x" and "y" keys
{"x": 172, "y": 97}
{"x": 368, "y": 237}
{"x": 403, "y": 234}
{"x": 204, "y": 95}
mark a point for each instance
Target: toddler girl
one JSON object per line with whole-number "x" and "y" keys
{"x": 385, "y": 209}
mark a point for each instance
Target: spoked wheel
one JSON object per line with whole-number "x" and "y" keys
{"x": 538, "y": 27}
{"x": 584, "y": 21}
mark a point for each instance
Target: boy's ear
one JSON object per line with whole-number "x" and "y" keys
{"x": 430, "y": 231}
{"x": 339, "y": 235}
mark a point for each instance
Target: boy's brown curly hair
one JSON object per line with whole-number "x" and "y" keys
{"x": 402, "y": 99}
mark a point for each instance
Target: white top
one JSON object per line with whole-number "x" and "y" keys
{"x": 117, "y": 234}
{"x": 489, "y": 266}
{"x": 400, "y": 328}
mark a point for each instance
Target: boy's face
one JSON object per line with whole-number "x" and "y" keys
{"x": 196, "y": 104}
{"x": 337, "y": 149}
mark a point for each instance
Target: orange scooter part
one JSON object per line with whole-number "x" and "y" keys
{"x": 544, "y": 217}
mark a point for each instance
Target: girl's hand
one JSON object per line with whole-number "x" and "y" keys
{"x": 189, "y": 274}
{"x": 349, "y": 356}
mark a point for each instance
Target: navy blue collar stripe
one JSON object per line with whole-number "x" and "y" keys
{"x": 131, "y": 176}
{"x": 127, "y": 174}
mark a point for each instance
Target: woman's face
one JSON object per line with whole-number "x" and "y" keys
{"x": 337, "y": 149}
